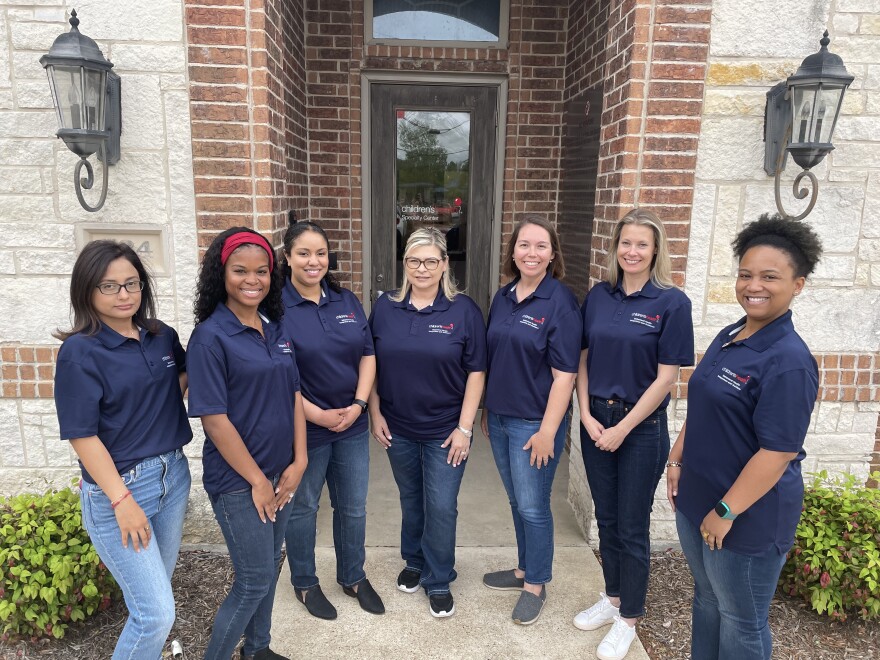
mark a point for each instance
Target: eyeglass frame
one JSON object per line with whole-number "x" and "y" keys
{"x": 141, "y": 284}
{"x": 423, "y": 262}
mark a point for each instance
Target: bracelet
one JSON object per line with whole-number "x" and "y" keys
{"x": 118, "y": 501}
{"x": 360, "y": 402}
{"x": 670, "y": 464}
{"x": 466, "y": 433}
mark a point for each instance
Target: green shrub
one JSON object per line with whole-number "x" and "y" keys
{"x": 835, "y": 561}
{"x": 51, "y": 573}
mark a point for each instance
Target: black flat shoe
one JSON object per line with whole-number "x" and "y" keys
{"x": 316, "y": 602}
{"x": 367, "y": 597}
{"x": 264, "y": 654}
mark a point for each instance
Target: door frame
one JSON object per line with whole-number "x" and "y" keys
{"x": 369, "y": 77}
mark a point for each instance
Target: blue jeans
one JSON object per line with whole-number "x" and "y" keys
{"x": 528, "y": 490}
{"x": 732, "y": 594}
{"x": 345, "y": 465}
{"x": 160, "y": 486}
{"x": 622, "y": 484}
{"x": 429, "y": 506}
{"x": 255, "y": 551}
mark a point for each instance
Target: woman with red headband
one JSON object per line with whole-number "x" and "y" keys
{"x": 244, "y": 385}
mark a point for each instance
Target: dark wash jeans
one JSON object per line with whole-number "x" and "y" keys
{"x": 429, "y": 503}
{"x": 622, "y": 483}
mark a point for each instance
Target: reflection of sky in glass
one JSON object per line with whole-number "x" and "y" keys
{"x": 427, "y": 26}
{"x": 452, "y": 129}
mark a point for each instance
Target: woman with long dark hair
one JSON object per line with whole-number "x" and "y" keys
{"x": 431, "y": 358}
{"x": 119, "y": 385}
{"x": 734, "y": 474}
{"x": 244, "y": 385}
{"x": 637, "y": 333}
{"x": 337, "y": 365}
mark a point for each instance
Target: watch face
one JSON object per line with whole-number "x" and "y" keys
{"x": 722, "y": 510}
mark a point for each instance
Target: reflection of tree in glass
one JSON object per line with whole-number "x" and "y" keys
{"x": 423, "y": 161}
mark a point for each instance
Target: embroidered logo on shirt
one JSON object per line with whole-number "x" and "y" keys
{"x": 645, "y": 319}
{"x": 346, "y": 318}
{"x": 532, "y": 322}
{"x": 439, "y": 329}
{"x": 285, "y": 347}
{"x": 733, "y": 379}
{"x": 169, "y": 360}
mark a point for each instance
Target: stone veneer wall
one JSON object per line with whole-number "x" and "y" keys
{"x": 39, "y": 214}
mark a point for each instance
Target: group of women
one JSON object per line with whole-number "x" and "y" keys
{"x": 283, "y": 369}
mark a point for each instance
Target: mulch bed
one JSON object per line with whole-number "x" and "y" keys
{"x": 665, "y": 632}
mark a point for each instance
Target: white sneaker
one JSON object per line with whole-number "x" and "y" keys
{"x": 616, "y": 642}
{"x": 600, "y": 614}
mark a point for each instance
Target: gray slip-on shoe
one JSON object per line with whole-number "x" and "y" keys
{"x": 528, "y": 607}
{"x": 503, "y": 581}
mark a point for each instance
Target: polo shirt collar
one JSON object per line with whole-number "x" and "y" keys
{"x": 544, "y": 290}
{"x": 229, "y": 322}
{"x": 292, "y": 297}
{"x": 650, "y": 290}
{"x": 766, "y": 336}
{"x": 112, "y": 339}
{"x": 440, "y": 304}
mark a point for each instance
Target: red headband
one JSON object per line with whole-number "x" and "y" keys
{"x": 245, "y": 238}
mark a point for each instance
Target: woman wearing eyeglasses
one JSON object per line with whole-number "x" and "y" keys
{"x": 430, "y": 343}
{"x": 119, "y": 384}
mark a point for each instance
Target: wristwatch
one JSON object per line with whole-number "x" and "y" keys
{"x": 724, "y": 511}
{"x": 361, "y": 403}
{"x": 465, "y": 432}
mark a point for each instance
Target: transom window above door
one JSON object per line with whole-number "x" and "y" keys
{"x": 459, "y": 22}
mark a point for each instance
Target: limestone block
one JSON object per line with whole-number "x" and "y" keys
{"x": 50, "y": 14}
{"x": 734, "y": 102}
{"x": 870, "y": 25}
{"x": 161, "y": 20}
{"x": 834, "y": 319}
{"x": 722, "y": 292}
{"x": 33, "y": 94}
{"x": 726, "y": 225}
{"x": 864, "y": 422}
{"x": 144, "y": 126}
{"x": 719, "y": 315}
{"x": 853, "y": 104}
{"x": 702, "y": 217}
{"x": 839, "y": 270}
{"x": 158, "y": 58}
{"x": 836, "y": 218}
{"x": 765, "y": 36}
{"x": 7, "y": 261}
{"x": 871, "y": 220}
{"x": 26, "y": 151}
{"x": 200, "y": 525}
{"x": 20, "y": 180}
{"x": 874, "y": 278}
{"x": 58, "y": 453}
{"x": 869, "y": 250}
{"x": 859, "y": 6}
{"x": 31, "y": 308}
{"x": 872, "y": 103}
{"x": 172, "y": 81}
{"x": 845, "y": 23}
{"x": 45, "y": 262}
{"x": 705, "y": 334}
{"x": 35, "y": 36}
{"x": 14, "y": 481}
{"x": 26, "y": 65}
{"x": 5, "y": 65}
{"x": 750, "y": 74}
{"x": 28, "y": 124}
{"x": 6, "y": 100}
{"x": 22, "y": 209}
{"x": 872, "y": 77}
{"x": 731, "y": 149}
{"x": 863, "y": 275}
{"x": 34, "y": 450}
{"x": 847, "y": 176}
{"x": 11, "y": 444}
{"x": 827, "y": 417}
{"x": 869, "y": 406}
{"x": 857, "y": 128}
{"x": 857, "y": 48}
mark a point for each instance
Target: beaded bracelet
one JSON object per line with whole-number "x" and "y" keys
{"x": 673, "y": 464}
{"x": 118, "y": 501}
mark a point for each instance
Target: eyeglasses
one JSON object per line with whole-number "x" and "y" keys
{"x": 113, "y": 288}
{"x": 430, "y": 263}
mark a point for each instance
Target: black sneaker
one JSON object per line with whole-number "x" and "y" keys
{"x": 408, "y": 580}
{"x": 441, "y": 605}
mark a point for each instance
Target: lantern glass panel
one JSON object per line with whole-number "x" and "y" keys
{"x": 93, "y": 111}
{"x": 803, "y": 102}
{"x": 827, "y": 104}
{"x": 67, "y": 87}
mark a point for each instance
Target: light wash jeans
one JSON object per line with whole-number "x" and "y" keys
{"x": 160, "y": 486}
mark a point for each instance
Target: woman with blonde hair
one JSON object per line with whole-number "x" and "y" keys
{"x": 637, "y": 333}
{"x": 430, "y": 342}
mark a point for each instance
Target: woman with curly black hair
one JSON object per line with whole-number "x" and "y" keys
{"x": 244, "y": 385}
{"x": 736, "y": 483}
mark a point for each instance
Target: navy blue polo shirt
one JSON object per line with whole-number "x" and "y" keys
{"x": 124, "y": 391}
{"x": 628, "y": 336}
{"x": 234, "y": 371}
{"x": 330, "y": 339}
{"x": 423, "y": 358}
{"x": 744, "y": 396}
{"x": 526, "y": 339}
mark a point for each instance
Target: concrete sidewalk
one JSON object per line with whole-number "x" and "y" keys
{"x": 481, "y": 626}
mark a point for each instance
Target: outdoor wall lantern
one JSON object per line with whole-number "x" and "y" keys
{"x": 800, "y": 117}
{"x": 86, "y": 95}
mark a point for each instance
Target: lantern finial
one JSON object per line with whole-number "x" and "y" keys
{"x": 824, "y": 41}
{"x": 74, "y": 21}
